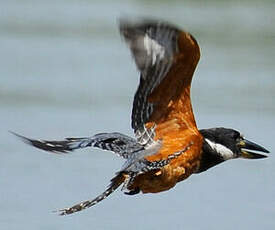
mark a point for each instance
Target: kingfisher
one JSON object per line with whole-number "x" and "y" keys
{"x": 167, "y": 146}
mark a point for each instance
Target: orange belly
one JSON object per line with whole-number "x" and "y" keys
{"x": 176, "y": 129}
{"x": 177, "y": 170}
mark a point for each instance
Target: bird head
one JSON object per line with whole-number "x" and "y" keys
{"x": 221, "y": 144}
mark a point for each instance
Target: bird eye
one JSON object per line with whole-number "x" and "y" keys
{"x": 236, "y": 135}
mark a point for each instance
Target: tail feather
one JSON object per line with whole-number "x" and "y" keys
{"x": 115, "y": 183}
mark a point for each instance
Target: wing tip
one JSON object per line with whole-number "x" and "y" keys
{"x": 22, "y": 138}
{"x": 127, "y": 27}
{"x": 41, "y": 144}
{"x": 141, "y": 23}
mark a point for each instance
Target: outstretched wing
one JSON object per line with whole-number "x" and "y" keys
{"x": 153, "y": 46}
{"x": 166, "y": 58}
{"x": 118, "y": 143}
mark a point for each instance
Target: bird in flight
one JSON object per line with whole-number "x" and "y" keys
{"x": 167, "y": 147}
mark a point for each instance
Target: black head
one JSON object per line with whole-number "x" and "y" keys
{"x": 221, "y": 144}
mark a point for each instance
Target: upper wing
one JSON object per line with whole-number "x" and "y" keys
{"x": 166, "y": 58}
{"x": 153, "y": 46}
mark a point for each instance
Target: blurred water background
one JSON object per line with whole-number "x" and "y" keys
{"x": 65, "y": 72}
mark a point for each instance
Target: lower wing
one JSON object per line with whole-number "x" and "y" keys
{"x": 118, "y": 143}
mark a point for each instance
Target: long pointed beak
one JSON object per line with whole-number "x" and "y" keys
{"x": 246, "y": 145}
